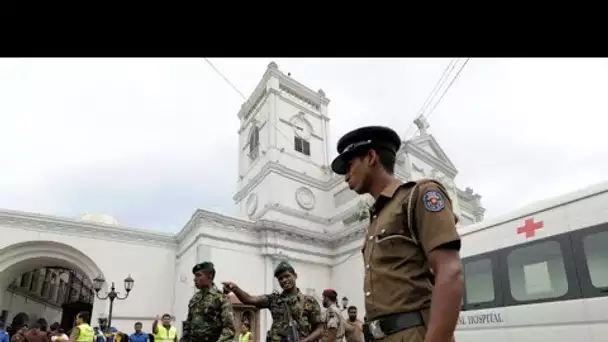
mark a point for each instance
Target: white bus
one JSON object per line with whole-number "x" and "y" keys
{"x": 539, "y": 274}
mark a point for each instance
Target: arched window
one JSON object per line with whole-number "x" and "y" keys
{"x": 254, "y": 143}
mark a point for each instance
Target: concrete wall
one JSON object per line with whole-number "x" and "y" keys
{"x": 26, "y": 245}
{"x": 15, "y": 303}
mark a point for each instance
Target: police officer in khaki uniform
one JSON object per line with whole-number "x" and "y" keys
{"x": 413, "y": 275}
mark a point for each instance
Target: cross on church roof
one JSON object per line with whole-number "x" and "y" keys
{"x": 422, "y": 124}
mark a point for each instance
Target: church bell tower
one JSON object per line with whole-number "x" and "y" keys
{"x": 283, "y": 151}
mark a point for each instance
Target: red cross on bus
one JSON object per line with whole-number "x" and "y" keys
{"x": 530, "y": 227}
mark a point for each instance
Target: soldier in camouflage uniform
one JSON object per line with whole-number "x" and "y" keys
{"x": 210, "y": 314}
{"x": 304, "y": 309}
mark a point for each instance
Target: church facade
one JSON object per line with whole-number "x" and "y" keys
{"x": 292, "y": 207}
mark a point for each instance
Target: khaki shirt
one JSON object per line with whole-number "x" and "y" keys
{"x": 398, "y": 277}
{"x": 335, "y": 320}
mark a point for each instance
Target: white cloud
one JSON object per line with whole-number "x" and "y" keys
{"x": 148, "y": 140}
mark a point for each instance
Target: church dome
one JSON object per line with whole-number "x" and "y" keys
{"x": 100, "y": 218}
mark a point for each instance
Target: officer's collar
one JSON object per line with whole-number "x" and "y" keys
{"x": 387, "y": 194}
{"x": 389, "y": 190}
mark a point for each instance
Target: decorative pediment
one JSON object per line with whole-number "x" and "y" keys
{"x": 428, "y": 150}
{"x": 429, "y": 144}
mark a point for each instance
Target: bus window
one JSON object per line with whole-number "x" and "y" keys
{"x": 596, "y": 254}
{"x": 537, "y": 271}
{"x": 479, "y": 281}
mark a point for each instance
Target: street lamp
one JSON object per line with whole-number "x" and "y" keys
{"x": 344, "y": 303}
{"x": 112, "y": 295}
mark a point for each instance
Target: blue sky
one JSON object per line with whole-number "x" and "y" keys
{"x": 149, "y": 140}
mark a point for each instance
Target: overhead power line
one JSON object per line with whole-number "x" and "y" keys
{"x": 440, "y": 82}
{"x": 445, "y": 91}
{"x": 241, "y": 94}
{"x": 226, "y": 79}
{"x": 448, "y": 87}
{"x": 444, "y": 76}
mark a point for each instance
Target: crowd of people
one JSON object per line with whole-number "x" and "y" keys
{"x": 39, "y": 331}
{"x": 20, "y": 330}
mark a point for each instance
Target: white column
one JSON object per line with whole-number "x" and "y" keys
{"x": 327, "y": 149}
{"x": 273, "y": 120}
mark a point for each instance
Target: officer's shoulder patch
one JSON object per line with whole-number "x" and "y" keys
{"x": 433, "y": 200}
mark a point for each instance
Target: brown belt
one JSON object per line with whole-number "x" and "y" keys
{"x": 391, "y": 324}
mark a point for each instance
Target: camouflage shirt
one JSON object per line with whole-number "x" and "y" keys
{"x": 210, "y": 318}
{"x": 304, "y": 309}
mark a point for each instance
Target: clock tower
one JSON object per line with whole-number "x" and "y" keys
{"x": 301, "y": 127}
{"x": 283, "y": 151}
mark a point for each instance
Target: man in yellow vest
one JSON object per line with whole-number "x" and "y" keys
{"x": 245, "y": 335}
{"x": 82, "y": 332}
{"x": 165, "y": 332}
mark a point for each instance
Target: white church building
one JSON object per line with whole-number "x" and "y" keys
{"x": 291, "y": 207}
